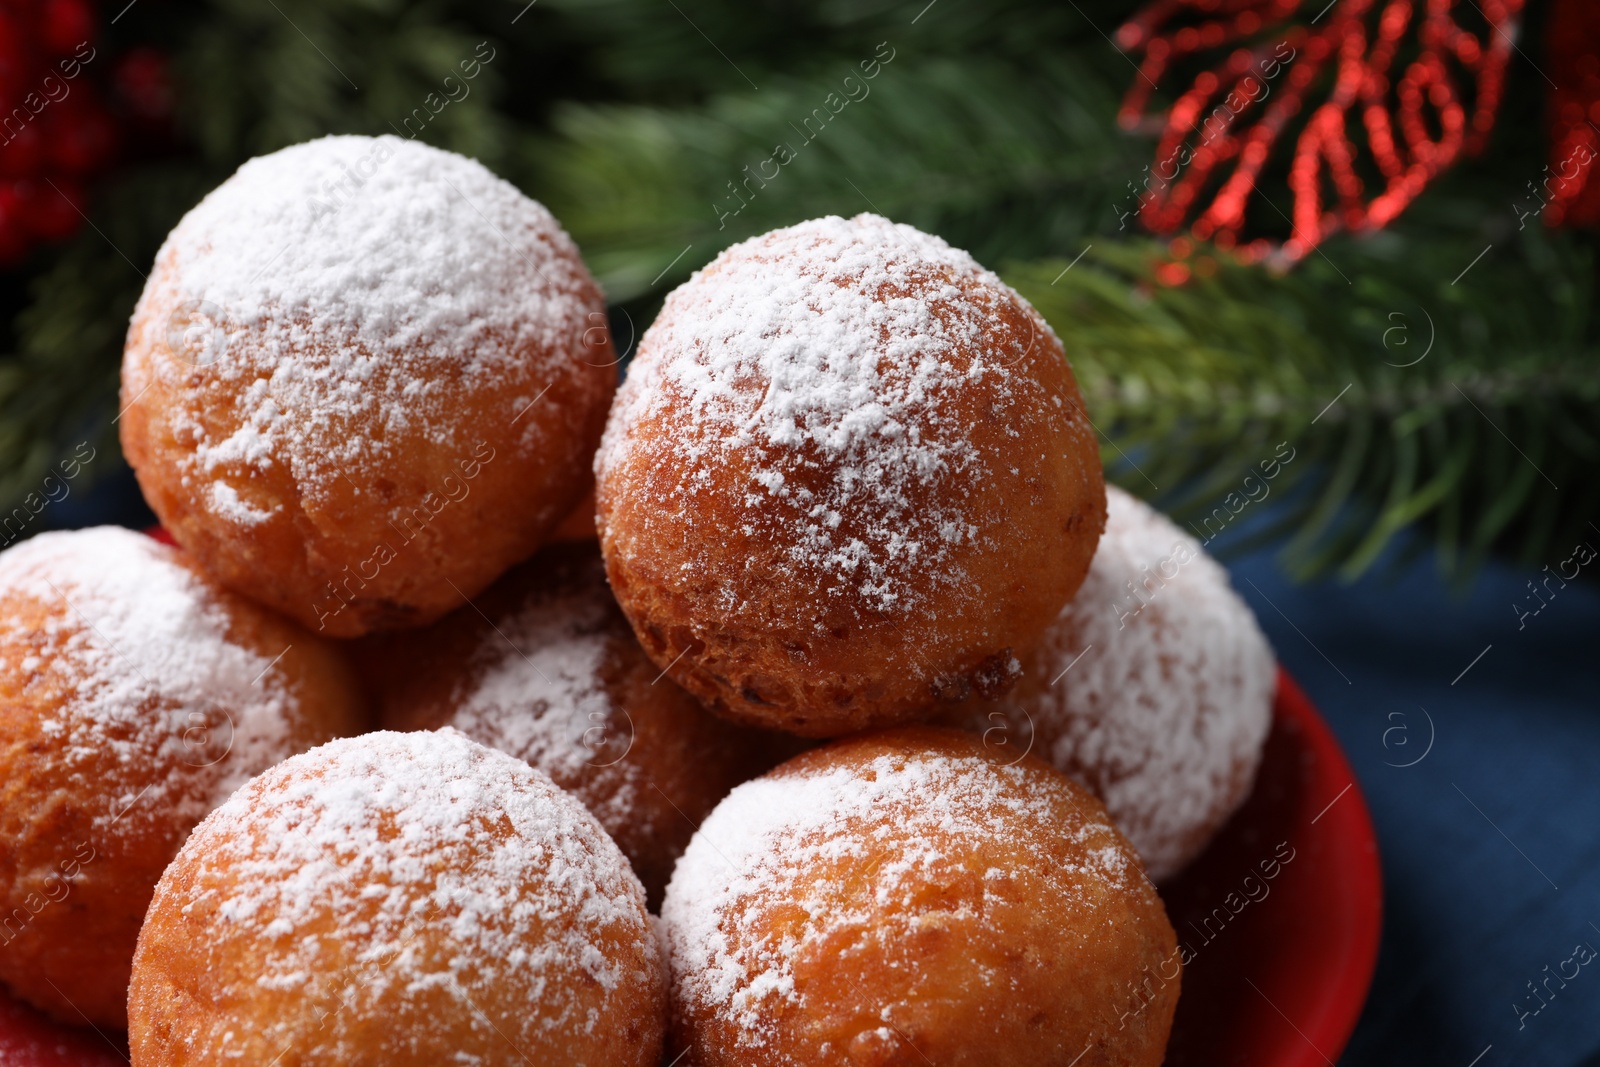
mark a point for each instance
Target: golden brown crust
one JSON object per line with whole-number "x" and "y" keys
{"x": 954, "y": 912}
{"x": 791, "y": 582}
{"x": 544, "y": 666}
{"x": 91, "y": 813}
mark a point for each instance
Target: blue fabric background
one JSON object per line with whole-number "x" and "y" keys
{"x": 1490, "y": 843}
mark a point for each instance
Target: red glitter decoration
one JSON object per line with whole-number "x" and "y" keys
{"x": 1396, "y": 68}
{"x": 1573, "y": 45}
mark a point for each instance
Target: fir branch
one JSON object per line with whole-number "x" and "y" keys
{"x": 1000, "y": 161}
{"x": 1488, "y": 440}
{"x": 262, "y": 76}
{"x": 661, "y": 54}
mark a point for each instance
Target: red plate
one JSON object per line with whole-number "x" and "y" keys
{"x": 28, "y": 1039}
{"x": 1281, "y": 965}
{"x": 1281, "y": 914}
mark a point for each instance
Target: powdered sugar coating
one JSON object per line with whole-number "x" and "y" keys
{"x": 822, "y": 360}
{"x": 1165, "y": 714}
{"x": 424, "y": 873}
{"x": 537, "y": 690}
{"x": 142, "y": 645}
{"x": 348, "y": 293}
{"x": 889, "y": 832}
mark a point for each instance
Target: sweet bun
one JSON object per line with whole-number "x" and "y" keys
{"x": 364, "y": 378}
{"x": 398, "y": 900}
{"x": 906, "y": 897}
{"x": 544, "y": 666}
{"x": 1154, "y": 688}
{"x": 134, "y": 697}
{"x": 848, "y": 475}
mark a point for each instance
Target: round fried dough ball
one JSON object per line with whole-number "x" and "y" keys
{"x": 364, "y": 378}
{"x": 135, "y": 695}
{"x": 544, "y": 666}
{"x": 398, "y": 900}
{"x": 1153, "y": 688}
{"x": 905, "y": 898}
{"x": 849, "y": 474}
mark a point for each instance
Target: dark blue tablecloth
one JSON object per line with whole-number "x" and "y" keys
{"x": 1490, "y": 839}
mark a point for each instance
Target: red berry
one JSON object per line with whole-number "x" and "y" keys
{"x": 144, "y": 83}
{"x": 21, "y": 155}
{"x": 52, "y": 207}
{"x": 15, "y": 69}
{"x": 80, "y": 135}
{"x": 64, "y": 25}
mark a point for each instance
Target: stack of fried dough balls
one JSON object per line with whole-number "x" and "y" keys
{"x": 847, "y": 490}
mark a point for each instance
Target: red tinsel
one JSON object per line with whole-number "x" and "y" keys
{"x": 1416, "y": 116}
